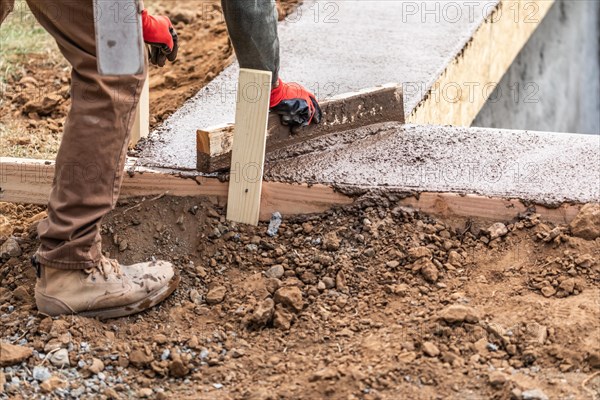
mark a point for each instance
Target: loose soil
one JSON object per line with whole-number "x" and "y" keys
{"x": 369, "y": 301}
{"x": 36, "y": 97}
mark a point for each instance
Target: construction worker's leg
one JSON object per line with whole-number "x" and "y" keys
{"x": 252, "y": 27}
{"x": 90, "y": 161}
{"x": 6, "y": 6}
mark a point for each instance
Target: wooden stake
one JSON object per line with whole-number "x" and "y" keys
{"x": 141, "y": 125}
{"x": 249, "y": 142}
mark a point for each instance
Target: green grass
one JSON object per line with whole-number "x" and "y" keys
{"x": 21, "y": 35}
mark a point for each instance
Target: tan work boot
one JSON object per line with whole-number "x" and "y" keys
{"x": 109, "y": 290}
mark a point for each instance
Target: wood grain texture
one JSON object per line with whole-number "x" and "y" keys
{"x": 141, "y": 124}
{"x": 248, "y": 148}
{"x": 30, "y": 181}
{"x": 348, "y": 111}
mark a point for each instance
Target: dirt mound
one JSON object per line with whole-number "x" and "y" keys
{"x": 369, "y": 301}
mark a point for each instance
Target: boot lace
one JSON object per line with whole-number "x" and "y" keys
{"x": 106, "y": 267}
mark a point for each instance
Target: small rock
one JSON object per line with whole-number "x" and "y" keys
{"x": 96, "y": 367}
{"x": 44, "y": 107}
{"x": 160, "y": 338}
{"x": 340, "y": 282}
{"x": 10, "y": 248}
{"x": 594, "y": 360}
{"x": 145, "y": 393}
{"x": 392, "y": 264}
{"x": 195, "y": 296}
{"x": 455, "y": 259}
{"x": 548, "y": 291}
{"x": 419, "y": 252}
{"x": 534, "y": 394}
{"x": 111, "y": 393}
{"x": 262, "y": 314}
{"x": 329, "y": 282}
{"x": 282, "y": 318}
{"x": 182, "y": 15}
{"x": 497, "y": 230}
{"x": 586, "y": 223}
{"x": 21, "y": 294}
{"x": 272, "y": 284}
{"x": 178, "y": 369}
{"x": 2, "y": 381}
{"x": 51, "y": 384}
{"x": 41, "y": 374}
{"x": 459, "y": 313}
{"x": 307, "y": 227}
{"x": 290, "y": 296}
{"x": 568, "y": 285}
{"x": 171, "y": 80}
{"x": 216, "y": 295}
{"x": 430, "y": 349}
{"x": 237, "y": 353}
{"x": 201, "y": 271}
{"x": 139, "y": 358}
{"x": 370, "y": 252}
{"x": 11, "y": 354}
{"x": 276, "y": 271}
{"x": 60, "y": 358}
{"x": 321, "y": 286}
{"x": 274, "y": 224}
{"x": 6, "y": 227}
{"x": 497, "y": 379}
{"x": 331, "y": 242}
{"x": 429, "y": 272}
{"x": 323, "y": 374}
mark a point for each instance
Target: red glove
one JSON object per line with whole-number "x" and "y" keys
{"x": 295, "y": 104}
{"x": 160, "y": 35}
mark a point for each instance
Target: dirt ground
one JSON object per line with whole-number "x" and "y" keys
{"x": 369, "y": 301}
{"x": 36, "y": 94}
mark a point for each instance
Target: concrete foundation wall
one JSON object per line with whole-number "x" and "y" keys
{"x": 554, "y": 84}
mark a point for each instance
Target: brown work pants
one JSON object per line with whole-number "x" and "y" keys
{"x": 91, "y": 158}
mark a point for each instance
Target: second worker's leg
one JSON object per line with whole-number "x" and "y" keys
{"x": 252, "y": 27}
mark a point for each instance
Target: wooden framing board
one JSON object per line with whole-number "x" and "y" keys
{"x": 30, "y": 181}
{"x": 248, "y": 147}
{"x": 141, "y": 124}
{"x": 461, "y": 91}
{"x": 365, "y": 107}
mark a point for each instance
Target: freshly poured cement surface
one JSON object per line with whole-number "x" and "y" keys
{"x": 542, "y": 167}
{"x": 334, "y": 48}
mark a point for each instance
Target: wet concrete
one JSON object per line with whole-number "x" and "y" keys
{"x": 333, "y": 48}
{"x": 542, "y": 167}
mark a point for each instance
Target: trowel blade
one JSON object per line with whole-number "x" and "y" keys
{"x": 119, "y": 41}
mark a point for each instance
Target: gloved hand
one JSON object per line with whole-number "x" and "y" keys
{"x": 160, "y": 35}
{"x": 296, "y": 105}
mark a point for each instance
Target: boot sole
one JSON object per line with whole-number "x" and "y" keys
{"x": 137, "y": 307}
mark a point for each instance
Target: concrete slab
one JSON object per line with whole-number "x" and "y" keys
{"x": 541, "y": 167}
{"x": 333, "y": 48}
